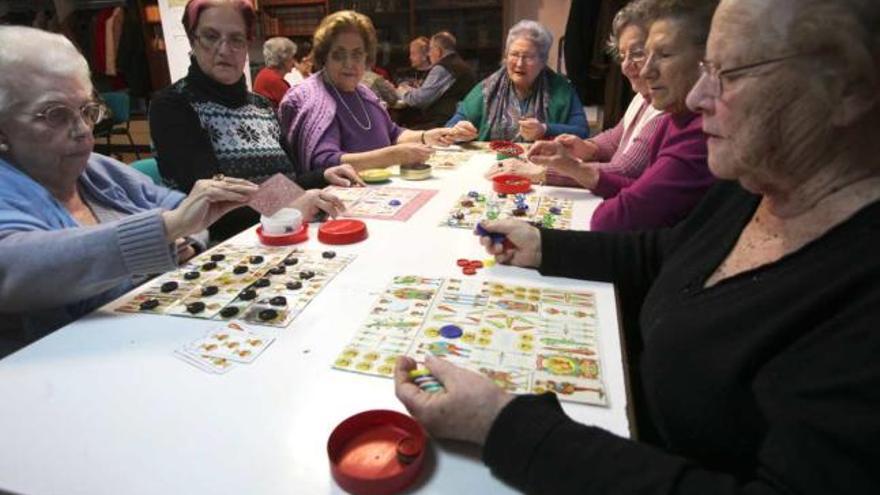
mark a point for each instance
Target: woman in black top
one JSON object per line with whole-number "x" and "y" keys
{"x": 208, "y": 123}
{"x": 752, "y": 327}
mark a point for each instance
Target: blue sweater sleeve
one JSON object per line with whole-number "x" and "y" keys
{"x": 576, "y": 124}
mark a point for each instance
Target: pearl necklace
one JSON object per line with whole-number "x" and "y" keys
{"x": 361, "y": 100}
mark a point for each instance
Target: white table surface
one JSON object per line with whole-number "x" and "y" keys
{"x": 103, "y": 407}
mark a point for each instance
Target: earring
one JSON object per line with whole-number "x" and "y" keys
{"x": 4, "y": 147}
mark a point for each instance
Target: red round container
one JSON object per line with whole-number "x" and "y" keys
{"x": 376, "y": 452}
{"x": 345, "y": 231}
{"x": 508, "y": 148}
{"x": 511, "y": 184}
{"x": 300, "y": 235}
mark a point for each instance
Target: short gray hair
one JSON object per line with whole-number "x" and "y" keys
{"x": 635, "y": 13}
{"x": 25, "y": 51}
{"x": 278, "y": 50}
{"x": 532, "y": 31}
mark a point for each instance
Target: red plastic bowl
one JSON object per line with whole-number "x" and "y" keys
{"x": 284, "y": 239}
{"x": 511, "y": 184}
{"x": 508, "y": 148}
{"x": 376, "y": 452}
{"x": 345, "y": 231}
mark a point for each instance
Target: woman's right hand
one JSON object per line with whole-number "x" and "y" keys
{"x": 410, "y": 153}
{"x": 208, "y": 200}
{"x": 315, "y": 200}
{"x": 577, "y": 147}
{"x": 525, "y": 250}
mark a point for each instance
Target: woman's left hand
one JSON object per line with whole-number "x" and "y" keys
{"x": 343, "y": 175}
{"x": 532, "y": 129}
{"x": 464, "y": 410}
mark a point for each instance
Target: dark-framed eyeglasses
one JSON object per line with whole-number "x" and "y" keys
{"x": 60, "y": 115}
{"x": 716, "y": 74}
{"x": 212, "y": 41}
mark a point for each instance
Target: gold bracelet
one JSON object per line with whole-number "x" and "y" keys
{"x": 423, "y": 137}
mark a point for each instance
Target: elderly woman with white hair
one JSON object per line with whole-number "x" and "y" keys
{"x": 524, "y": 100}
{"x": 270, "y": 82}
{"x": 752, "y": 327}
{"x": 76, "y": 228}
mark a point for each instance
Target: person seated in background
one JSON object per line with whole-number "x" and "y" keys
{"x": 448, "y": 81}
{"x": 625, "y": 148}
{"x": 420, "y": 64}
{"x": 302, "y": 64}
{"x": 270, "y": 82}
{"x": 751, "y": 328}
{"x": 677, "y": 176}
{"x": 208, "y": 123}
{"x": 331, "y": 118}
{"x": 524, "y": 100}
{"x": 77, "y": 229}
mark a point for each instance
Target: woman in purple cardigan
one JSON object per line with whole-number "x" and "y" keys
{"x": 677, "y": 175}
{"x": 331, "y": 118}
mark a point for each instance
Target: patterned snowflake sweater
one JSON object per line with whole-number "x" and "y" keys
{"x": 201, "y": 127}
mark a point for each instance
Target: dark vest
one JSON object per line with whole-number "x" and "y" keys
{"x": 436, "y": 114}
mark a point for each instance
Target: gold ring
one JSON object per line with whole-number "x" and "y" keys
{"x": 219, "y": 177}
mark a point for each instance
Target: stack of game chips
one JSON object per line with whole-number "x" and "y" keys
{"x": 521, "y": 206}
{"x": 425, "y": 380}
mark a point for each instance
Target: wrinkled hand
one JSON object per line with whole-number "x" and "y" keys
{"x": 464, "y": 131}
{"x": 315, "y": 200}
{"x": 532, "y": 129}
{"x": 534, "y": 173}
{"x": 552, "y": 154}
{"x": 526, "y": 240}
{"x": 185, "y": 250}
{"x": 577, "y": 147}
{"x": 343, "y": 175}
{"x": 410, "y": 153}
{"x": 208, "y": 200}
{"x": 464, "y": 411}
{"x": 440, "y": 136}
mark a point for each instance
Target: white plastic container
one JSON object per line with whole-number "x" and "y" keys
{"x": 284, "y": 221}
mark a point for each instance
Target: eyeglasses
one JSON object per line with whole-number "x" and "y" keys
{"x": 212, "y": 41}
{"x": 355, "y": 57}
{"x": 62, "y": 115}
{"x": 527, "y": 58}
{"x": 636, "y": 56}
{"x": 716, "y": 74}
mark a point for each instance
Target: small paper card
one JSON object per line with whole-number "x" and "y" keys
{"x": 275, "y": 193}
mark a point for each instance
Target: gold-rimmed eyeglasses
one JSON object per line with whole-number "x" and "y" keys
{"x": 715, "y": 74}
{"x": 60, "y": 115}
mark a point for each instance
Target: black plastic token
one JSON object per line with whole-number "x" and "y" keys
{"x": 229, "y": 311}
{"x": 306, "y": 274}
{"x": 238, "y": 270}
{"x": 267, "y": 314}
{"x": 149, "y": 304}
{"x": 169, "y": 286}
{"x": 218, "y": 257}
{"x": 263, "y": 282}
{"x": 255, "y": 260}
{"x": 247, "y": 294}
{"x": 209, "y": 265}
{"x": 210, "y": 290}
{"x": 278, "y": 301}
{"x": 191, "y": 275}
{"x": 291, "y": 261}
{"x": 329, "y": 254}
{"x": 195, "y": 307}
{"x": 278, "y": 270}
{"x": 295, "y": 285}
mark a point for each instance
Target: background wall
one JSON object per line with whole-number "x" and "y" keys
{"x": 551, "y": 13}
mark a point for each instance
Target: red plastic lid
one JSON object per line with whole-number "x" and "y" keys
{"x": 345, "y": 231}
{"x": 376, "y": 452}
{"x": 300, "y": 235}
{"x": 511, "y": 184}
{"x": 506, "y": 147}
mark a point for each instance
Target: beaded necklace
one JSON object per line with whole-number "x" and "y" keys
{"x": 356, "y": 121}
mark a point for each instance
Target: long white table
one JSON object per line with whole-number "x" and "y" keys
{"x": 103, "y": 407}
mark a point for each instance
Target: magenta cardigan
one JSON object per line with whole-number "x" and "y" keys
{"x": 673, "y": 183}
